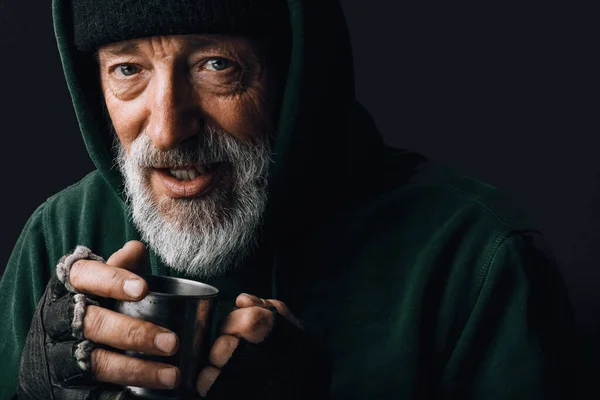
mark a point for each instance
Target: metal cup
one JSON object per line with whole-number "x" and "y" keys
{"x": 184, "y": 307}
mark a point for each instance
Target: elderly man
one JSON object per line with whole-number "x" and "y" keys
{"x": 230, "y": 149}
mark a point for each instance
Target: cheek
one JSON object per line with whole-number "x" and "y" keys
{"x": 127, "y": 118}
{"x": 244, "y": 115}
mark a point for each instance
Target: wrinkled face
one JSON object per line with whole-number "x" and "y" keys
{"x": 192, "y": 114}
{"x": 171, "y": 87}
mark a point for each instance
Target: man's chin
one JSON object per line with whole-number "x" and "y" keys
{"x": 194, "y": 214}
{"x": 202, "y": 237}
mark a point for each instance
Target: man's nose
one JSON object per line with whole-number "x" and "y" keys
{"x": 174, "y": 115}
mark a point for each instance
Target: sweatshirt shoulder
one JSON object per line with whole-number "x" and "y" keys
{"x": 90, "y": 213}
{"x": 89, "y": 189}
{"x": 438, "y": 189}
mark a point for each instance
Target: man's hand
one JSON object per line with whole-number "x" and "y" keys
{"x": 102, "y": 326}
{"x": 57, "y": 362}
{"x": 252, "y": 321}
{"x": 263, "y": 352}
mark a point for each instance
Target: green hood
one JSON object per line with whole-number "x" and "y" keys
{"x": 325, "y": 141}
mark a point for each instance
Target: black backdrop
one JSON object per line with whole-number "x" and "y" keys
{"x": 500, "y": 90}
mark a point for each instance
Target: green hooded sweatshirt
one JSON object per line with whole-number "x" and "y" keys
{"x": 420, "y": 282}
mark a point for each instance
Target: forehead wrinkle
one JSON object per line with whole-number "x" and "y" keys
{"x": 200, "y": 42}
{"x": 223, "y": 45}
{"x": 188, "y": 43}
{"x": 122, "y": 48}
{"x": 164, "y": 46}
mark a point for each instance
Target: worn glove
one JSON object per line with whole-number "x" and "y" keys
{"x": 55, "y": 364}
{"x": 287, "y": 365}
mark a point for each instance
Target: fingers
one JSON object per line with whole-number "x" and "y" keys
{"x": 245, "y": 300}
{"x": 113, "y": 278}
{"x": 131, "y": 256}
{"x": 252, "y": 324}
{"x": 207, "y": 377}
{"x": 222, "y": 349}
{"x": 219, "y": 355}
{"x": 249, "y": 300}
{"x": 94, "y": 277}
{"x": 120, "y": 369}
{"x": 252, "y": 321}
{"x": 104, "y": 326}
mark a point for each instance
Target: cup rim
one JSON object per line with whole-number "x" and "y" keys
{"x": 187, "y": 281}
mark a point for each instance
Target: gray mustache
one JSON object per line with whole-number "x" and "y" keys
{"x": 209, "y": 148}
{"x": 250, "y": 159}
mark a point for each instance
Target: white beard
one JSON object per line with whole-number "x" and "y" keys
{"x": 206, "y": 236}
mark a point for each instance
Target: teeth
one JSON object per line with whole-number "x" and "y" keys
{"x": 192, "y": 173}
{"x": 177, "y": 173}
{"x": 188, "y": 174}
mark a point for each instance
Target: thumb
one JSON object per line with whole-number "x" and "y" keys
{"x": 132, "y": 256}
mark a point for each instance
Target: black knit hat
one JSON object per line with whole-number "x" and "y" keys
{"x": 99, "y": 22}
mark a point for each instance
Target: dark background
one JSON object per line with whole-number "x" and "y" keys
{"x": 500, "y": 91}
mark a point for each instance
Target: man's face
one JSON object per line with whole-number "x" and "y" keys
{"x": 192, "y": 115}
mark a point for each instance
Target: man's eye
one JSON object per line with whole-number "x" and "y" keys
{"x": 218, "y": 64}
{"x": 128, "y": 69}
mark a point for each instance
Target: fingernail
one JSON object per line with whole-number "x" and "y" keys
{"x": 165, "y": 342}
{"x": 168, "y": 377}
{"x": 133, "y": 287}
{"x": 254, "y": 298}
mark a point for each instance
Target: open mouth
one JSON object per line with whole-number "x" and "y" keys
{"x": 189, "y": 181}
{"x": 190, "y": 173}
